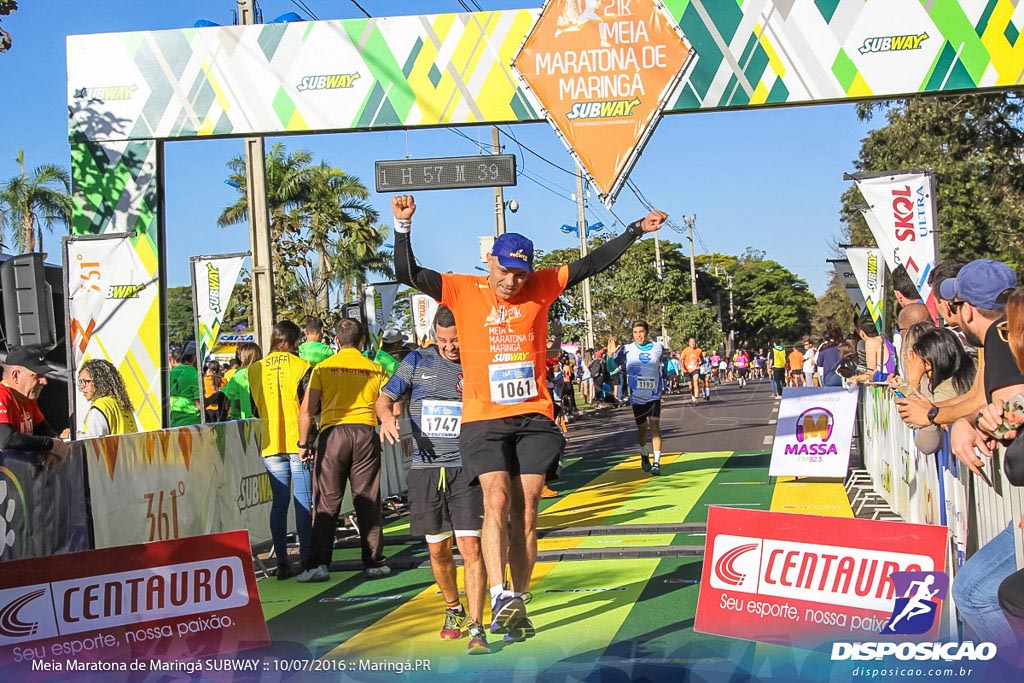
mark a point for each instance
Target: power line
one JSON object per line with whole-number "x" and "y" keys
{"x": 360, "y": 8}
{"x": 538, "y": 155}
{"x": 305, "y": 8}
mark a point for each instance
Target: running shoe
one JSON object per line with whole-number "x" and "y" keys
{"x": 454, "y": 620}
{"x": 655, "y": 470}
{"x": 693, "y": 399}
{"x": 522, "y": 630}
{"x": 285, "y": 571}
{"x": 378, "y": 572}
{"x": 478, "y": 640}
{"x": 645, "y": 463}
{"x": 548, "y": 493}
{"x": 314, "y": 575}
{"x": 506, "y": 611}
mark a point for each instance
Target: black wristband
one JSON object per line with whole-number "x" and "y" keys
{"x": 303, "y": 445}
{"x": 636, "y": 228}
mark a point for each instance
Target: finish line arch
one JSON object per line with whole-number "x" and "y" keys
{"x": 128, "y": 93}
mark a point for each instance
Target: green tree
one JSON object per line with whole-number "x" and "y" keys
{"x": 771, "y": 303}
{"x": 7, "y": 7}
{"x": 974, "y": 143}
{"x": 322, "y": 230}
{"x": 181, "y": 322}
{"x": 832, "y": 306}
{"x": 31, "y": 202}
{"x": 699, "y": 322}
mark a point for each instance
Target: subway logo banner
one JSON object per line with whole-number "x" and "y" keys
{"x": 99, "y": 610}
{"x": 804, "y": 580}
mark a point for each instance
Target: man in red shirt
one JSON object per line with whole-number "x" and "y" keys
{"x": 22, "y": 425}
{"x": 509, "y": 441}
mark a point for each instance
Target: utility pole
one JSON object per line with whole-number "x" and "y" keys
{"x": 690, "y": 220}
{"x": 581, "y": 226}
{"x": 259, "y": 219}
{"x": 499, "y": 195}
{"x": 658, "y": 265}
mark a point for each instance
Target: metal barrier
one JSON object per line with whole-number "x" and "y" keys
{"x": 935, "y": 489}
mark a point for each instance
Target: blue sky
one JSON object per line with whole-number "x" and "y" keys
{"x": 770, "y": 179}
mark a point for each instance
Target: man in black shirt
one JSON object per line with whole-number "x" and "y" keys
{"x": 978, "y": 298}
{"x": 22, "y": 425}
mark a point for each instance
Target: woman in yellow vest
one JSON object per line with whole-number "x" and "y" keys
{"x": 111, "y": 411}
{"x": 277, "y": 384}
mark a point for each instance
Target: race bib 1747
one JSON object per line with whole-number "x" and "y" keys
{"x": 441, "y": 418}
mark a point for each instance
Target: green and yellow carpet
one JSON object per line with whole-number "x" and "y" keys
{"x": 614, "y": 590}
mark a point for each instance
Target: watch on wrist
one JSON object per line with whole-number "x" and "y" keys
{"x": 932, "y": 414}
{"x": 303, "y": 445}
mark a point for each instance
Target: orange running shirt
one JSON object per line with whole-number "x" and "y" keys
{"x": 503, "y": 343}
{"x": 796, "y": 361}
{"x": 691, "y": 359}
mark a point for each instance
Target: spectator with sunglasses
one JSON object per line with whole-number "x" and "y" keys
{"x": 978, "y": 297}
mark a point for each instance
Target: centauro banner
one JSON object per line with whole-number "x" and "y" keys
{"x": 803, "y": 580}
{"x": 213, "y": 280}
{"x": 869, "y": 271}
{"x": 110, "y": 298}
{"x": 901, "y": 215}
{"x": 166, "y": 605}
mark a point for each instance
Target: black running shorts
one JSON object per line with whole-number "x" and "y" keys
{"x": 645, "y": 410}
{"x": 524, "y": 444}
{"x": 433, "y": 510}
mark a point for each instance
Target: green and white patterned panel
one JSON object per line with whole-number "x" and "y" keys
{"x": 455, "y": 68}
{"x": 116, "y": 189}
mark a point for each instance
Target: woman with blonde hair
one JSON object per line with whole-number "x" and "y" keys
{"x": 111, "y": 410}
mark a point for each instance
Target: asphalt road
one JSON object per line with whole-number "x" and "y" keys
{"x": 735, "y": 419}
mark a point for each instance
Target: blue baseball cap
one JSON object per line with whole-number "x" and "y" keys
{"x": 514, "y": 251}
{"x": 980, "y": 283}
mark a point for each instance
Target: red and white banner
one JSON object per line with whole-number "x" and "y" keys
{"x": 168, "y": 601}
{"x": 803, "y": 580}
{"x": 901, "y": 215}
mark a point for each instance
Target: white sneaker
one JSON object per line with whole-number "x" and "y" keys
{"x": 314, "y": 575}
{"x": 378, "y": 572}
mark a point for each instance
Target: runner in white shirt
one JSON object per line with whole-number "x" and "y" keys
{"x": 643, "y": 373}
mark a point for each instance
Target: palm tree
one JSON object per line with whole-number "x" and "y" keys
{"x": 338, "y": 208}
{"x": 357, "y": 252}
{"x": 289, "y": 182}
{"x": 31, "y": 202}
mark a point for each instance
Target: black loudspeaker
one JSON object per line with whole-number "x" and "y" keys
{"x": 28, "y": 302}
{"x": 354, "y": 310}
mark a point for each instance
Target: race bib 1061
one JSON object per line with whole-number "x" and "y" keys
{"x": 512, "y": 382}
